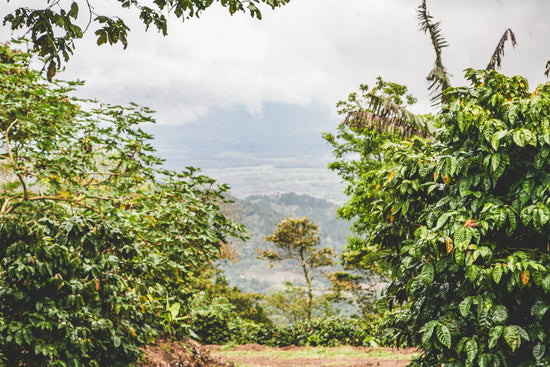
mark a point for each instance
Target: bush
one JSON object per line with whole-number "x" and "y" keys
{"x": 463, "y": 220}
{"x": 62, "y": 299}
{"x": 326, "y": 332}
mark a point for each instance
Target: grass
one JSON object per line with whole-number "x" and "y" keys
{"x": 312, "y": 353}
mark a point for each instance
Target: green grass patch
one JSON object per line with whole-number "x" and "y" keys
{"x": 313, "y": 352}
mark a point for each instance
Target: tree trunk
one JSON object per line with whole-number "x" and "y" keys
{"x": 309, "y": 305}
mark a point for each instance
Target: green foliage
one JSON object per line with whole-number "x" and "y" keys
{"x": 86, "y": 207}
{"x": 297, "y": 239}
{"x": 290, "y": 304}
{"x": 367, "y": 172}
{"x": 64, "y": 297}
{"x": 357, "y": 290}
{"x": 217, "y": 310}
{"x": 54, "y": 27}
{"x": 210, "y": 319}
{"x": 462, "y": 220}
{"x": 326, "y": 331}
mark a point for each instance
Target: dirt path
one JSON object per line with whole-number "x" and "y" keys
{"x": 259, "y": 355}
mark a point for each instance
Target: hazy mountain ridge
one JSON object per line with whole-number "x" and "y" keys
{"x": 261, "y": 213}
{"x": 277, "y": 150}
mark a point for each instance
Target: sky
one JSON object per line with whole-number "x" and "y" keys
{"x": 303, "y": 57}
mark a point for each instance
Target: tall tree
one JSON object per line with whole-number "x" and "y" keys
{"x": 297, "y": 239}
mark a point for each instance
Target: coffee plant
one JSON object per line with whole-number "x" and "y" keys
{"x": 98, "y": 243}
{"x": 462, "y": 219}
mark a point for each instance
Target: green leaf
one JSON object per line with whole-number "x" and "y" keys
{"x": 471, "y": 350}
{"x": 495, "y": 141}
{"x": 427, "y": 331}
{"x": 511, "y": 218}
{"x": 484, "y": 360}
{"x": 546, "y": 283}
{"x": 511, "y": 337}
{"x": 528, "y": 185}
{"x": 521, "y": 332}
{"x": 462, "y": 237}
{"x": 499, "y": 314}
{"x": 494, "y": 334}
{"x": 495, "y": 161}
{"x": 74, "y": 10}
{"x": 442, "y": 220}
{"x": 519, "y": 138}
{"x": 102, "y": 37}
{"x": 427, "y": 274}
{"x": 464, "y": 306}
{"x": 497, "y": 273}
{"x": 539, "y": 309}
{"x": 405, "y": 208}
{"x": 472, "y": 271}
{"x": 538, "y": 351}
{"x": 443, "y": 335}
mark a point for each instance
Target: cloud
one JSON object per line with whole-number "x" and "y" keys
{"x": 311, "y": 51}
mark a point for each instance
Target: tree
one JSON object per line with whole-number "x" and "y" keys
{"x": 54, "y": 26}
{"x": 95, "y": 237}
{"x": 464, "y": 224}
{"x": 297, "y": 239}
{"x": 354, "y": 289}
{"x": 462, "y": 220}
{"x": 289, "y": 305}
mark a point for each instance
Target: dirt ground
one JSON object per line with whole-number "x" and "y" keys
{"x": 251, "y": 360}
{"x": 187, "y": 353}
{"x": 184, "y": 353}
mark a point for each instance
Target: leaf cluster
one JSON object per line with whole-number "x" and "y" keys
{"x": 142, "y": 231}
{"x": 462, "y": 220}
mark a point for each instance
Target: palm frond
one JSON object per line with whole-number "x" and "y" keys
{"x": 496, "y": 59}
{"x": 439, "y": 77}
{"x": 383, "y": 115}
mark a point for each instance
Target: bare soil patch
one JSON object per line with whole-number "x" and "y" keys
{"x": 183, "y": 353}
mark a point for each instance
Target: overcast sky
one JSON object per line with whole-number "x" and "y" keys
{"x": 310, "y": 53}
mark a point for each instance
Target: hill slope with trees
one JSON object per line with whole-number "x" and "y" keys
{"x": 260, "y": 214}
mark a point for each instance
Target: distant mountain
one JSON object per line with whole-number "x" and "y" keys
{"x": 261, "y": 214}
{"x": 277, "y": 150}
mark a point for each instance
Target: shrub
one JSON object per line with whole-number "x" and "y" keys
{"x": 328, "y": 332}
{"x": 463, "y": 220}
{"x": 62, "y": 299}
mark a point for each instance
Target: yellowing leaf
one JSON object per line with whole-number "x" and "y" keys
{"x": 449, "y": 244}
{"x": 525, "y": 277}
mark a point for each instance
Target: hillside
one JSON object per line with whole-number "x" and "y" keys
{"x": 260, "y": 214}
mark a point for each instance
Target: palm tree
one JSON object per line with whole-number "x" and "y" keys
{"x": 384, "y": 115}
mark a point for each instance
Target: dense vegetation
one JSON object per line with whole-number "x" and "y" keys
{"x": 102, "y": 250}
{"x": 98, "y": 243}
{"x": 461, "y": 220}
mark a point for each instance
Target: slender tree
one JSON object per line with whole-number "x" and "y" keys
{"x": 297, "y": 239}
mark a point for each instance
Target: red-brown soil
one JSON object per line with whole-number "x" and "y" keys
{"x": 187, "y": 353}
{"x": 184, "y": 353}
